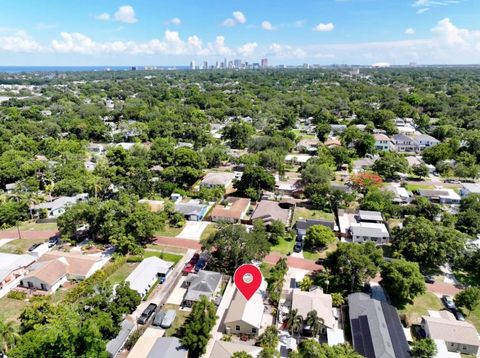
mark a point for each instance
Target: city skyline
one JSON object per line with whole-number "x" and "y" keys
{"x": 323, "y": 32}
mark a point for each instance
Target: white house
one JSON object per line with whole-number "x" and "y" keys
{"x": 212, "y": 180}
{"x": 382, "y": 142}
{"x": 55, "y": 208}
{"x": 469, "y": 188}
{"x": 149, "y": 271}
{"x": 297, "y": 159}
{"x": 12, "y": 268}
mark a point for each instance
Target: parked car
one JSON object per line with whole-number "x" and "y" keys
{"x": 54, "y": 240}
{"x": 200, "y": 265}
{"x": 168, "y": 318}
{"x": 458, "y": 315}
{"x": 157, "y": 320}
{"x": 298, "y": 246}
{"x": 320, "y": 261}
{"x": 34, "y": 246}
{"x": 448, "y": 302}
{"x": 429, "y": 279}
{"x": 191, "y": 264}
{"x": 147, "y": 313}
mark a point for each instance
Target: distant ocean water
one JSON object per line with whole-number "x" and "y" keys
{"x": 19, "y": 69}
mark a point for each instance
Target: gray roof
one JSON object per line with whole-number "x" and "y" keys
{"x": 61, "y": 202}
{"x": 368, "y": 231}
{"x": 141, "y": 278}
{"x": 305, "y": 224}
{"x": 426, "y": 137}
{"x": 472, "y": 187}
{"x": 167, "y": 347}
{"x": 376, "y": 328}
{"x": 202, "y": 283}
{"x": 268, "y": 211}
{"x": 117, "y": 343}
{"x": 190, "y": 208}
{"x": 366, "y": 215}
{"x": 400, "y": 137}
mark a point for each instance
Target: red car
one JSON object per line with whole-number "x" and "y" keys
{"x": 191, "y": 264}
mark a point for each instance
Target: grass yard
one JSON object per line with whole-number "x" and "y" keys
{"x": 311, "y": 255}
{"x": 421, "y": 304}
{"x": 209, "y": 230}
{"x": 11, "y": 308}
{"x": 166, "y": 248}
{"x": 122, "y": 273}
{"x": 19, "y": 246}
{"x": 167, "y": 256}
{"x": 179, "y": 319}
{"x": 30, "y": 225}
{"x": 412, "y": 187}
{"x": 169, "y": 231}
{"x": 283, "y": 246}
{"x": 474, "y": 317}
{"x": 315, "y": 255}
{"x": 304, "y": 213}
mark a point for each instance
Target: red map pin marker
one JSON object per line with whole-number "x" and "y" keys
{"x": 248, "y": 279}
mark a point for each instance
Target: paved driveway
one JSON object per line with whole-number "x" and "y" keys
{"x": 193, "y": 230}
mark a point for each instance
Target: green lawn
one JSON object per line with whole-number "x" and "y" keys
{"x": 169, "y": 231}
{"x": 166, "y": 248}
{"x": 122, "y": 272}
{"x": 473, "y": 317}
{"x": 179, "y": 321}
{"x": 420, "y": 306}
{"x": 11, "y": 308}
{"x": 311, "y": 255}
{"x": 321, "y": 254}
{"x": 19, "y": 246}
{"x": 283, "y": 246}
{"x": 412, "y": 187}
{"x": 210, "y": 229}
{"x": 167, "y": 256}
{"x": 30, "y": 225}
{"x": 304, "y": 213}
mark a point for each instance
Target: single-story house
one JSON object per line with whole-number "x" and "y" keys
{"x": 303, "y": 225}
{"x": 12, "y": 268}
{"x": 203, "y": 283}
{"x": 46, "y": 276}
{"x": 382, "y": 142}
{"x": 152, "y": 345}
{"x": 308, "y": 145}
{"x": 96, "y": 148}
{"x": 115, "y": 345}
{"x": 315, "y": 300}
{"x": 297, "y": 159}
{"x": 288, "y": 186}
{"x": 269, "y": 211}
{"x": 402, "y": 196}
{"x": 469, "y": 188}
{"x": 337, "y": 129}
{"x": 149, "y": 271}
{"x": 363, "y": 164}
{"x": 363, "y": 226}
{"x": 425, "y": 140}
{"x": 232, "y": 210}
{"x": 57, "y": 207}
{"x": 223, "y": 349}
{"x": 376, "y": 328}
{"x": 212, "y": 180}
{"x": 244, "y": 317}
{"x": 332, "y": 142}
{"x": 458, "y": 336}
{"x": 442, "y": 196}
{"x": 193, "y": 210}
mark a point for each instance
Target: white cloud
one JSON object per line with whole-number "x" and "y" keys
{"x": 425, "y": 5}
{"x": 175, "y": 21}
{"x": 238, "y": 18}
{"x": 462, "y": 39}
{"x": 247, "y": 50}
{"x": 409, "y": 31}
{"x": 19, "y": 42}
{"x": 103, "y": 16}
{"x": 286, "y": 51}
{"x": 324, "y": 27}
{"x": 422, "y": 10}
{"x": 267, "y": 25}
{"x": 126, "y": 14}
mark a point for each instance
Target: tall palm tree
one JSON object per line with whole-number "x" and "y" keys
{"x": 294, "y": 321}
{"x": 8, "y": 336}
{"x": 314, "y": 322}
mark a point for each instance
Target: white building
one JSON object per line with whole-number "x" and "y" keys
{"x": 147, "y": 273}
{"x": 12, "y": 268}
{"x": 55, "y": 208}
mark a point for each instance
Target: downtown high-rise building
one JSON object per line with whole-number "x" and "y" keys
{"x": 192, "y": 65}
{"x": 264, "y": 63}
{"x": 237, "y": 63}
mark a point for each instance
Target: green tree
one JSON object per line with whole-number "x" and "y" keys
{"x": 241, "y": 355}
{"x": 269, "y": 338}
{"x": 390, "y": 164}
{"x": 379, "y": 200}
{"x": 402, "y": 280}
{"x": 337, "y": 299}
{"x": 275, "y": 280}
{"x": 322, "y": 131}
{"x": 424, "y": 348}
{"x": 310, "y": 348}
{"x": 469, "y": 298}
{"x": 314, "y": 323}
{"x": 197, "y": 328}
{"x": 253, "y": 181}
{"x": 269, "y": 353}
{"x": 319, "y": 236}
{"x": 8, "y": 336}
{"x": 239, "y": 134}
{"x": 306, "y": 283}
{"x": 294, "y": 321}
{"x": 352, "y": 264}
{"x": 420, "y": 170}
{"x": 277, "y": 231}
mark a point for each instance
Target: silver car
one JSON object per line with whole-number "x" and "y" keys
{"x": 168, "y": 318}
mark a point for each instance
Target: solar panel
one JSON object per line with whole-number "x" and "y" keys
{"x": 395, "y": 330}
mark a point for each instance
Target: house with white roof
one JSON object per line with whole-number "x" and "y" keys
{"x": 149, "y": 271}
{"x": 244, "y": 317}
{"x": 12, "y": 268}
{"x": 469, "y": 188}
{"x": 223, "y": 180}
{"x": 402, "y": 196}
{"x": 55, "y": 208}
{"x": 363, "y": 226}
{"x": 425, "y": 140}
{"x": 297, "y": 159}
{"x": 442, "y": 196}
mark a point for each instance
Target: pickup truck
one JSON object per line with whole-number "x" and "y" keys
{"x": 147, "y": 313}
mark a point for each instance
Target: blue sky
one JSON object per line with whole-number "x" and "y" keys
{"x": 286, "y": 32}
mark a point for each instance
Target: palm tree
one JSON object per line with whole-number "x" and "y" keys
{"x": 8, "y": 336}
{"x": 294, "y": 321}
{"x": 314, "y": 322}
